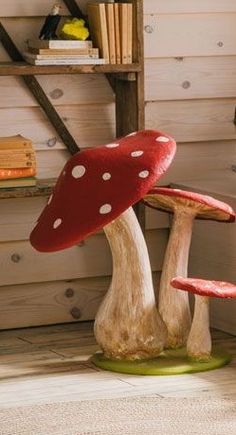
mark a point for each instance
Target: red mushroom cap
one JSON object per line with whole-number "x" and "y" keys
{"x": 99, "y": 184}
{"x": 206, "y": 207}
{"x": 202, "y": 287}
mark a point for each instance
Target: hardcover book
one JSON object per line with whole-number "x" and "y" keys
{"x": 124, "y": 31}
{"x": 15, "y": 142}
{"x": 18, "y": 182}
{"x": 58, "y": 43}
{"x": 110, "y": 17}
{"x": 117, "y": 33}
{"x": 98, "y": 28}
{"x": 67, "y": 61}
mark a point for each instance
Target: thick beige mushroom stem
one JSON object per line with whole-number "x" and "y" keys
{"x": 199, "y": 340}
{"x": 174, "y": 304}
{"x": 128, "y": 325}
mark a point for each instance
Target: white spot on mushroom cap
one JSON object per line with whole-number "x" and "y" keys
{"x": 50, "y": 199}
{"x": 143, "y": 174}
{"x": 106, "y": 176}
{"x": 78, "y": 171}
{"x": 57, "y": 223}
{"x": 112, "y": 145}
{"x": 137, "y": 153}
{"x": 162, "y": 139}
{"x": 105, "y": 208}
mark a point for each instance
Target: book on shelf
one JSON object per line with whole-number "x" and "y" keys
{"x": 67, "y": 61}
{"x": 117, "y": 33}
{"x": 59, "y": 43}
{"x": 59, "y": 56}
{"x": 17, "y": 158}
{"x": 110, "y": 18}
{"x": 13, "y": 159}
{"x": 7, "y": 174}
{"x": 18, "y": 182}
{"x": 111, "y": 26}
{"x": 98, "y": 28}
{"x": 16, "y": 153}
{"x": 17, "y": 163}
{"x": 124, "y": 31}
{"x": 129, "y": 32}
{"x": 59, "y": 52}
{"x": 15, "y": 142}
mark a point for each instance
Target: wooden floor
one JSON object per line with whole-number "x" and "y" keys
{"x": 51, "y": 364}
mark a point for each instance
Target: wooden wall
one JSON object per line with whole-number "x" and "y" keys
{"x": 190, "y": 87}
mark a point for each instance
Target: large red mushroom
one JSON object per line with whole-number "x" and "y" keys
{"x": 199, "y": 343}
{"x": 95, "y": 190}
{"x": 185, "y": 206}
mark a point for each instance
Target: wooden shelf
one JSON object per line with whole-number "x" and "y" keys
{"x": 127, "y": 82}
{"x": 42, "y": 188}
{"x": 24, "y": 69}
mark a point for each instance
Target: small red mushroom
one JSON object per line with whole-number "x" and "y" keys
{"x": 199, "y": 341}
{"x": 95, "y": 190}
{"x": 186, "y": 206}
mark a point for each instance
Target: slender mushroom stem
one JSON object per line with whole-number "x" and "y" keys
{"x": 128, "y": 325}
{"x": 199, "y": 340}
{"x": 174, "y": 304}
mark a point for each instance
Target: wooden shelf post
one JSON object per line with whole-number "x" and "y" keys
{"x": 130, "y": 91}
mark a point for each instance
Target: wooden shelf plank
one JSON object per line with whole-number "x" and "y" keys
{"x": 42, "y": 188}
{"x": 24, "y": 69}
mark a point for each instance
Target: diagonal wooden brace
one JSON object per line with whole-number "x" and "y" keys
{"x": 39, "y": 94}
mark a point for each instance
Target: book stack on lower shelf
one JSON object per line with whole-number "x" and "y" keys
{"x": 62, "y": 52}
{"x": 17, "y": 162}
{"x": 111, "y": 27}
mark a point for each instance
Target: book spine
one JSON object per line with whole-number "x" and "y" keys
{"x": 117, "y": 33}
{"x": 6, "y": 174}
{"x": 15, "y": 146}
{"x": 129, "y": 32}
{"x": 104, "y": 32}
{"x": 37, "y": 43}
{"x": 111, "y": 32}
{"x": 124, "y": 37}
{"x": 16, "y": 153}
{"x": 10, "y": 164}
{"x": 19, "y": 182}
{"x": 60, "y": 56}
{"x": 55, "y": 52}
{"x": 89, "y": 61}
{"x": 71, "y": 44}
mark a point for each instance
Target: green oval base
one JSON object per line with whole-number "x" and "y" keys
{"x": 169, "y": 362}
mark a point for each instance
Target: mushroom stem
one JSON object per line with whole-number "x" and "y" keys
{"x": 174, "y": 304}
{"x": 199, "y": 340}
{"x": 128, "y": 325}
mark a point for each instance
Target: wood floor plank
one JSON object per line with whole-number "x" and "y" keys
{"x": 52, "y": 364}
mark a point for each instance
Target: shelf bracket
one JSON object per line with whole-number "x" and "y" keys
{"x": 127, "y": 77}
{"x": 39, "y": 94}
{"x": 75, "y": 10}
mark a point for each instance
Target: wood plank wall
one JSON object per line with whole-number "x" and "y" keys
{"x": 190, "y": 87}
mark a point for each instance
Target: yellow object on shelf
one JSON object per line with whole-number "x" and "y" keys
{"x": 75, "y": 29}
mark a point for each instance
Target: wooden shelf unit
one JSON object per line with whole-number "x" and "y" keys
{"x": 127, "y": 82}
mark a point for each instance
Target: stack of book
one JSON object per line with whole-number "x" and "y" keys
{"x": 17, "y": 162}
{"x": 62, "y": 52}
{"x": 111, "y": 27}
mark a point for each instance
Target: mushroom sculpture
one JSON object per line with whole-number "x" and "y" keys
{"x": 186, "y": 206}
{"x": 199, "y": 343}
{"x": 96, "y": 190}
